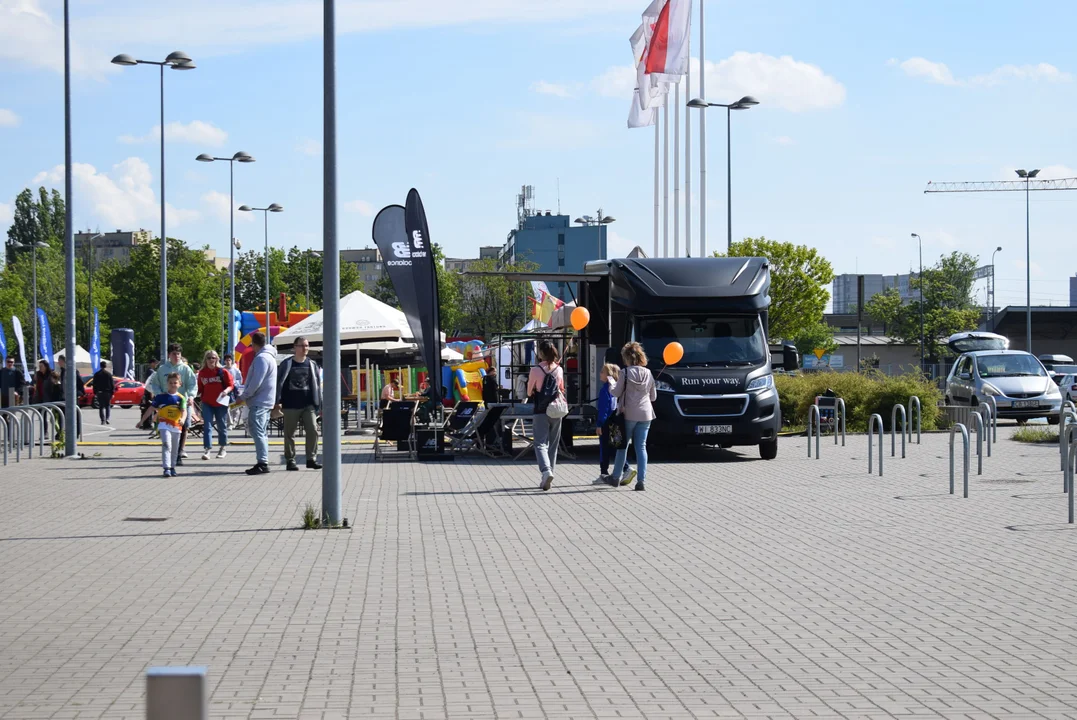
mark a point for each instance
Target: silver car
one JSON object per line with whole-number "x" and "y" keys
{"x": 1017, "y": 380}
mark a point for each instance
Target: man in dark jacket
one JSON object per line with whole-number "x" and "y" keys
{"x": 103, "y": 388}
{"x": 299, "y": 395}
{"x": 11, "y": 383}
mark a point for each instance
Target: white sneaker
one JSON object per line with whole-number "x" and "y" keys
{"x": 222, "y": 453}
{"x": 601, "y": 480}
{"x": 547, "y": 481}
{"x": 184, "y": 455}
{"x": 205, "y": 455}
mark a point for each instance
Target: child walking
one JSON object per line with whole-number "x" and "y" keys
{"x": 171, "y": 414}
{"x": 607, "y": 405}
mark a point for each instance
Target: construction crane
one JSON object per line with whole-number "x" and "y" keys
{"x": 1028, "y": 183}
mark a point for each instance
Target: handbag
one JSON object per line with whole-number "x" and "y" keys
{"x": 614, "y": 429}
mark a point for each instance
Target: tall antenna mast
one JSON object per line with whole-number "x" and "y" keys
{"x": 558, "y": 196}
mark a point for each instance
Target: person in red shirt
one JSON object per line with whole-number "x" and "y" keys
{"x": 215, "y": 387}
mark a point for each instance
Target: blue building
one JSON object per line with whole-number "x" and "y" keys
{"x": 552, "y": 243}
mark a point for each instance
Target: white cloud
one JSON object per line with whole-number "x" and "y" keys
{"x": 29, "y": 37}
{"x": 784, "y": 140}
{"x": 309, "y": 146}
{"x": 360, "y": 206}
{"x": 934, "y": 72}
{"x": 217, "y": 204}
{"x": 940, "y": 74}
{"x": 123, "y": 198}
{"x": 196, "y": 132}
{"x": 546, "y": 88}
{"x": 543, "y": 130}
{"x": 781, "y": 82}
{"x": 8, "y": 118}
{"x": 884, "y": 243}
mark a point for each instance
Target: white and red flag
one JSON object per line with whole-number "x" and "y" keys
{"x": 667, "y": 24}
{"x": 652, "y": 89}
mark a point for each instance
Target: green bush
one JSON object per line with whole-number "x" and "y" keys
{"x": 864, "y": 394}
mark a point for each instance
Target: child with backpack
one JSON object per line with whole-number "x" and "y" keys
{"x": 546, "y": 389}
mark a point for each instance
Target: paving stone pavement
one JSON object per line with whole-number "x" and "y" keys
{"x": 733, "y": 587}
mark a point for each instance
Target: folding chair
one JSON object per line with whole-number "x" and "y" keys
{"x": 491, "y": 426}
{"x": 461, "y": 416}
{"x": 396, "y": 425}
{"x": 463, "y": 437}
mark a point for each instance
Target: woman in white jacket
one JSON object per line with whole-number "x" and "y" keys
{"x": 635, "y": 393}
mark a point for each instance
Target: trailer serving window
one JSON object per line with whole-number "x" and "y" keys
{"x": 709, "y": 341}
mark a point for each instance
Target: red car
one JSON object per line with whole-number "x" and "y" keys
{"x": 128, "y": 393}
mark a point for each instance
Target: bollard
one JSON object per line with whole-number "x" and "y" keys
{"x": 4, "y": 443}
{"x": 1066, "y": 419}
{"x": 813, "y": 415}
{"x": 871, "y": 436}
{"x": 839, "y": 416}
{"x": 177, "y": 693}
{"x": 965, "y": 439}
{"x": 893, "y": 430}
{"x": 979, "y": 423}
{"x": 914, "y": 401}
{"x": 1067, "y": 477}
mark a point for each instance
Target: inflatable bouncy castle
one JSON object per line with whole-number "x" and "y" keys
{"x": 250, "y": 322}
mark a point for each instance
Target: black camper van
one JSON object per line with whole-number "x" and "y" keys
{"x": 722, "y": 391}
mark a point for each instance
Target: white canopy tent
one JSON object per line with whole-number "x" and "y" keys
{"x": 82, "y": 358}
{"x": 362, "y": 318}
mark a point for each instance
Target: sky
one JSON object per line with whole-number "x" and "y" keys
{"x": 861, "y": 104}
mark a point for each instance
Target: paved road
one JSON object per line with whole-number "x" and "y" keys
{"x": 794, "y": 588}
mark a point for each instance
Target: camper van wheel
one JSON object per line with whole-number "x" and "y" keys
{"x": 768, "y": 450}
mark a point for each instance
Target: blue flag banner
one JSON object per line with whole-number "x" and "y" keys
{"x": 95, "y": 343}
{"x": 3, "y": 343}
{"x": 44, "y": 337}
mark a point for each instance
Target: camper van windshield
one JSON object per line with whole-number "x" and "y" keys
{"x": 708, "y": 341}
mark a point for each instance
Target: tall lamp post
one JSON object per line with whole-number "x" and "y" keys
{"x": 745, "y": 103}
{"x": 274, "y": 207}
{"x": 920, "y": 243}
{"x": 1026, "y": 176}
{"x": 308, "y": 253}
{"x": 176, "y": 60}
{"x": 89, "y": 284}
{"x": 243, "y": 158}
{"x": 33, "y": 247}
{"x": 997, "y": 250}
{"x": 597, "y": 221}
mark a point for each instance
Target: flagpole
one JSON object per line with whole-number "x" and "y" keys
{"x": 657, "y": 122}
{"x": 702, "y": 134}
{"x": 677, "y": 170}
{"x": 688, "y": 153}
{"x": 665, "y": 176}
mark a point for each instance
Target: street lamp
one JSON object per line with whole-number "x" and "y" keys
{"x": 597, "y": 221}
{"x": 243, "y": 158}
{"x": 745, "y": 103}
{"x": 1027, "y": 176}
{"x": 920, "y": 242}
{"x": 265, "y": 214}
{"x": 998, "y": 249}
{"x": 176, "y": 60}
{"x": 308, "y": 253}
{"x": 34, "y": 246}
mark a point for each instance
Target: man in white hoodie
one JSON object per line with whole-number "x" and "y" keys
{"x": 259, "y": 394}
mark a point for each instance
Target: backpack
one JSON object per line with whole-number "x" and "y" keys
{"x": 548, "y": 398}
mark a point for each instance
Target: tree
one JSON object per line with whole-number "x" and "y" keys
{"x": 40, "y": 220}
{"x": 949, "y": 306}
{"x": 449, "y": 311}
{"x": 287, "y": 274}
{"x": 799, "y": 277}
{"x": 815, "y": 337}
{"x": 493, "y": 304}
{"x": 385, "y": 292}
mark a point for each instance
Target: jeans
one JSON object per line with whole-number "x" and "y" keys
{"x": 214, "y": 415}
{"x": 104, "y": 408}
{"x": 547, "y": 440}
{"x": 169, "y": 448}
{"x": 292, "y": 418}
{"x": 636, "y": 430}
{"x": 258, "y": 420}
{"x": 605, "y": 452}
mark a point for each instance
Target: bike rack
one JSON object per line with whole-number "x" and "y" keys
{"x": 965, "y": 439}
{"x": 985, "y": 411}
{"x": 63, "y": 417}
{"x": 839, "y": 416}
{"x": 980, "y": 428}
{"x": 893, "y": 430}
{"x": 813, "y": 415}
{"x": 914, "y": 401}
{"x": 1067, "y": 418}
{"x": 1067, "y": 477}
{"x": 25, "y": 413}
{"x": 994, "y": 417}
{"x": 13, "y": 435}
{"x": 1069, "y": 405}
{"x": 4, "y": 443}
{"x": 871, "y": 436}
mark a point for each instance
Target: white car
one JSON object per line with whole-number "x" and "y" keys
{"x": 1067, "y": 385}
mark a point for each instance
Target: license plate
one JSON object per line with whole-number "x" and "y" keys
{"x": 714, "y": 429}
{"x": 1026, "y": 403}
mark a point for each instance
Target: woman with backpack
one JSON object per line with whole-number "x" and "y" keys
{"x": 546, "y": 389}
{"x": 634, "y": 392}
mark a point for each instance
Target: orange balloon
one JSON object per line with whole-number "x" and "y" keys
{"x": 580, "y": 318}
{"x": 673, "y": 353}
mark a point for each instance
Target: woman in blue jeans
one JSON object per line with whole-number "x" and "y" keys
{"x": 635, "y": 393}
{"x": 214, "y": 387}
